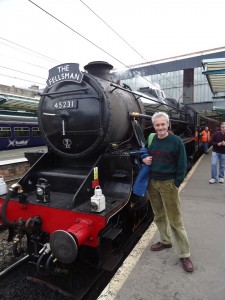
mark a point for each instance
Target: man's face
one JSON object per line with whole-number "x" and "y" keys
{"x": 161, "y": 126}
{"x": 222, "y": 127}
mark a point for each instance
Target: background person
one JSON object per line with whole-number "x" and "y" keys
{"x": 218, "y": 154}
{"x": 168, "y": 168}
{"x": 206, "y": 137}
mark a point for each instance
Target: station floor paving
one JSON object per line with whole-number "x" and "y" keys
{"x": 147, "y": 275}
{"x": 16, "y": 155}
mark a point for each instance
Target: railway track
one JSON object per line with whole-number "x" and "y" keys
{"x": 19, "y": 280}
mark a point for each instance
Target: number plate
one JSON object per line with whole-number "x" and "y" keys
{"x": 65, "y": 104}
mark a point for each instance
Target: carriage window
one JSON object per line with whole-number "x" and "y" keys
{"x": 21, "y": 131}
{"x": 36, "y": 131}
{"x": 5, "y": 132}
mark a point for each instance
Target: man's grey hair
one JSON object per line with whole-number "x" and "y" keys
{"x": 159, "y": 115}
{"x": 223, "y": 123}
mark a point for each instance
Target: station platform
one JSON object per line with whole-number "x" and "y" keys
{"x": 17, "y": 155}
{"x": 13, "y": 163}
{"x": 147, "y": 275}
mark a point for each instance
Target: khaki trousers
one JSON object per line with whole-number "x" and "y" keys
{"x": 164, "y": 198}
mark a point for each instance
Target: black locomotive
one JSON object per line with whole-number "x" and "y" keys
{"x": 77, "y": 198}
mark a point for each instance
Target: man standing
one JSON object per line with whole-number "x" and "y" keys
{"x": 218, "y": 154}
{"x": 205, "y": 139}
{"x": 168, "y": 168}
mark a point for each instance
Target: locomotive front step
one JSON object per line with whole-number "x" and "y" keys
{"x": 112, "y": 234}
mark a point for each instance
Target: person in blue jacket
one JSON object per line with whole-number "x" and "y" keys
{"x": 168, "y": 169}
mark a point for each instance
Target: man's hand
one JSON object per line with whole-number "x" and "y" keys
{"x": 147, "y": 160}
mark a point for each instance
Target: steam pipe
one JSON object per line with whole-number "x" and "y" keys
{"x": 13, "y": 190}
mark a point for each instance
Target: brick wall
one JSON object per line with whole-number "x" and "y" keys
{"x": 14, "y": 170}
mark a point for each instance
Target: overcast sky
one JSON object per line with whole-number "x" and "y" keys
{"x": 32, "y": 41}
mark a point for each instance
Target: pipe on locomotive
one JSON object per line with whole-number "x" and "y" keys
{"x": 13, "y": 190}
{"x": 138, "y": 115}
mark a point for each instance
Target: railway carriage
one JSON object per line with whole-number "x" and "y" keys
{"x": 19, "y": 134}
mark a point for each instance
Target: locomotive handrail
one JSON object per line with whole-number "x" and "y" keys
{"x": 143, "y": 96}
{"x": 138, "y": 115}
{"x": 69, "y": 92}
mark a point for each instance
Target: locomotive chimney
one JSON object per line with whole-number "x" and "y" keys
{"x": 99, "y": 69}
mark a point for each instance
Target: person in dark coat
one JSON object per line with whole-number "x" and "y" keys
{"x": 168, "y": 168}
{"x": 218, "y": 155}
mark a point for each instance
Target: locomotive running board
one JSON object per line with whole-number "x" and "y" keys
{"x": 113, "y": 262}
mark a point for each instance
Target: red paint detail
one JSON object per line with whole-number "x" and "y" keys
{"x": 82, "y": 230}
{"x": 95, "y": 183}
{"x": 1, "y": 211}
{"x": 196, "y": 135}
{"x": 55, "y": 218}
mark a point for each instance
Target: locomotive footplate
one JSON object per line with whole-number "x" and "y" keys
{"x": 65, "y": 201}
{"x": 113, "y": 205}
{"x": 61, "y": 200}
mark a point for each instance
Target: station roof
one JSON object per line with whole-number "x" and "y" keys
{"x": 18, "y": 103}
{"x": 215, "y": 73}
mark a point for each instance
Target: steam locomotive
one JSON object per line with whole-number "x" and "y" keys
{"x": 76, "y": 200}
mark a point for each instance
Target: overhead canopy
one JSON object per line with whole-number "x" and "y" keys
{"x": 215, "y": 73}
{"x": 18, "y": 103}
